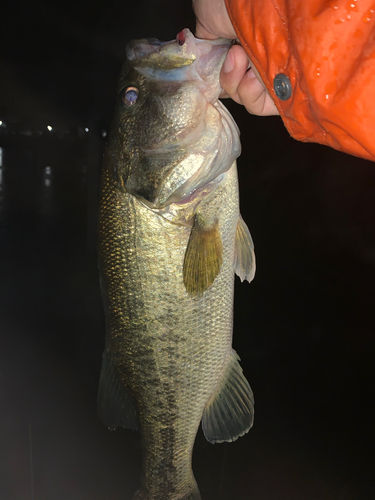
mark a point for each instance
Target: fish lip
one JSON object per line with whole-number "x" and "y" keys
{"x": 186, "y": 47}
{"x": 186, "y": 58}
{"x": 139, "y": 49}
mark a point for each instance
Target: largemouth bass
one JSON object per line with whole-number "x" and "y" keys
{"x": 170, "y": 240}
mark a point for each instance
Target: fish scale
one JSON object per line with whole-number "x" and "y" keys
{"x": 198, "y": 332}
{"x": 168, "y": 359}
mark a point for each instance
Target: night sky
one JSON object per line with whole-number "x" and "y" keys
{"x": 304, "y": 328}
{"x": 60, "y": 60}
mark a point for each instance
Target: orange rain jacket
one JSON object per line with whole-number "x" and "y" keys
{"x": 326, "y": 49}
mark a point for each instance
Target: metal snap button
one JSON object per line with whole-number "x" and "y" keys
{"x": 282, "y": 87}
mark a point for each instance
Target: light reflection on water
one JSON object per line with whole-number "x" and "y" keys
{"x": 43, "y": 190}
{"x": 47, "y": 176}
{"x": 46, "y": 199}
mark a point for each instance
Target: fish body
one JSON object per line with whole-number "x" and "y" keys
{"x": 170, "y": 239}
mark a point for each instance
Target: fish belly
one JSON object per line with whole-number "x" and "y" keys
{"x": 169, "y": 349}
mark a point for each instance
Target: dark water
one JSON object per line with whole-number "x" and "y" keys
{"x": 305, "y": 328}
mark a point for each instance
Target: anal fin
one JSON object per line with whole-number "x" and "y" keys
{"x": 203, "y": 257}
{"x": 116, "y": 404}
{"x": 230, "y": 412}
{"x": 244, "y": 258}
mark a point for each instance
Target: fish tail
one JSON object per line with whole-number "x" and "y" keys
{"x": 193, "y": 494}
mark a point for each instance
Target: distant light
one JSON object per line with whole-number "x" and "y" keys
{"x": 49, "y": 127}
{"x": 47, "y": 170}
{"x": 86, "y": 129}
{"x": 1, "y": 122}
{"x": 104, "y": 133}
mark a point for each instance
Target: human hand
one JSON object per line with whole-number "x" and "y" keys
{"x": 239, "y": 79}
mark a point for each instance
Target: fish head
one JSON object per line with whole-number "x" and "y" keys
{"x": 171, "y": 136}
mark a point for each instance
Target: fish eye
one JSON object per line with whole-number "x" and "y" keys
{"x": 130, "y": 95}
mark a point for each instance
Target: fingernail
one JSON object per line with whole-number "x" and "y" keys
{"x": 228, "y": 65}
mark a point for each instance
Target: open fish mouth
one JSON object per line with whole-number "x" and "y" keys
{"x": 184, "y": 50}
{"x": 155, "y": 58}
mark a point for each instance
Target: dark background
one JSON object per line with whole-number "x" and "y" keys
{"x": 304, "y": 328}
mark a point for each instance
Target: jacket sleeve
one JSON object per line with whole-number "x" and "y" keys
{"x": 322, "y": 53}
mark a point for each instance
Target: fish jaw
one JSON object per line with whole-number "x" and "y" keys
{"x": 174, "y": 60}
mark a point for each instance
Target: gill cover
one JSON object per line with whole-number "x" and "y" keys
{"x": 177, "y": 138}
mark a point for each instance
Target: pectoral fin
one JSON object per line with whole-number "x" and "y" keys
{"x": 230, "y": 412}
{"x": 244, "y": 257}
{"x": 203, "y": 257}
{"x": 116, "y": 404}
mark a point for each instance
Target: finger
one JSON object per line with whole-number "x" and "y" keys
{"x": 243, "y": 85}
{"x": 254, "y": 96}
{"x": 233, "y": 71}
